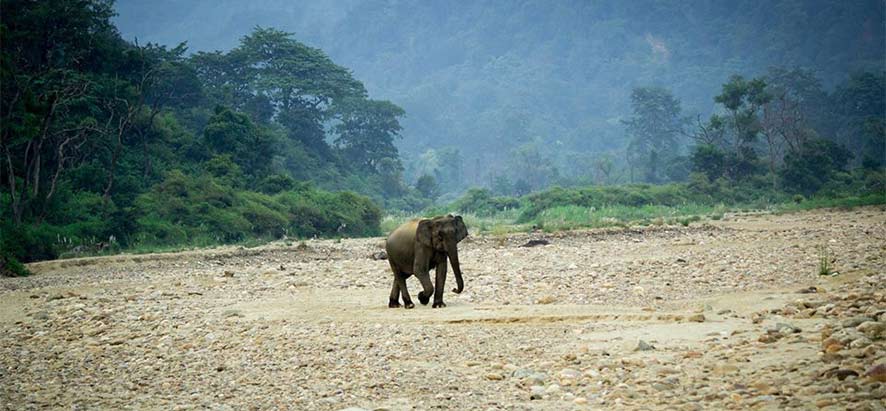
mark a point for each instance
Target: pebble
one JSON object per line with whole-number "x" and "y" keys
{"x": 876, "y": 373}
{"x": 494, "y": 376}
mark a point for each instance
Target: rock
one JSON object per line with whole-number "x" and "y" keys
{"x": 379, "y": 255}
{"x": 786, "y": 328}
{"x": 353, "y": 409}
{"x": 547, "y": 299}
{"x": 538, "y": 378}
{"x": 696, "y": 318}
{"x": 552, "y": 389}
{"x": 228, "y": 274}
{"x": 855, "y": 321}
{"x": 494, "y": 376}
{"x": 580, "y": 400}
{"x": 841, "y": 373}
{"x": 860, "y": 343}
{"x": 832, "y": 348}
{"x": 569, "y": 373}
{"x": 522, "y": 373}
{"x": 643, "y": 346}
{"x": 762, "y": 387}
{"x": 724, "y": 369}
{"x": 534, "y": 243}
{"x": 872, "y": 329}
{"x": 769, "y": 338}
{"x": 809, "y": 290}
{"x": 232, "y": 313}
{"x": 876, "y": 373}
{"x": 536, "y": 392}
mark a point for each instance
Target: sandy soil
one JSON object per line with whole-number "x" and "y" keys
{"x": 718, "y": 315}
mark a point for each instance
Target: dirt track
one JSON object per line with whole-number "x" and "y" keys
{"x": 548, "y": 327}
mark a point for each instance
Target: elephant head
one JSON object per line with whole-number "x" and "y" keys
{"x": 442, "y": 234}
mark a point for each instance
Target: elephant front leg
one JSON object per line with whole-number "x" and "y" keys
{"x": 421, "y": 272}
{"x": 440, "y": 284}
{"x": 401, "y": 284}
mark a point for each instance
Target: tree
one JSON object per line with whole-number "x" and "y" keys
{"x": 427, "y": 186}
{"x": 249, "y": 145}
{"x": 796, "y": 98}
{"x": 654, "y": 130}
{"x": 272, "y": 76}
{"x": 860, "y": 104}
{"x": 531, "y": 168}
{"x": 816, "y": 163}
{"x": 732, "y": 136}
{"x": 56, "y": 88}
{"x": 366, "y": 132}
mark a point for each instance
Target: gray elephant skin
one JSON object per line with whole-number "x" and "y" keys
{"x": 420, "y": 245}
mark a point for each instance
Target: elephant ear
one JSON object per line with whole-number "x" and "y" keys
{"x": 461, "y": 231}
{"x": 423, "y": 233}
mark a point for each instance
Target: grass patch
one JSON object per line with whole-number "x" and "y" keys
{"x": 824, "y": 261}
{"x": 572, "y": 217}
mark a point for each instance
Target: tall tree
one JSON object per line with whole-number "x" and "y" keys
{"x": 860, "y": 104}
{"x": 366, "y": 131}
{"x": 654, "y": 130}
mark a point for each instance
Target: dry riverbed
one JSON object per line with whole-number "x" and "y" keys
{"x": 728, "y": 314}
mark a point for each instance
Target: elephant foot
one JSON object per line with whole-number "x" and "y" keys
{"x": 456, "y": 290}
{"x": 408, "y": 305}
{"x": 394, "y": 304}
{"x": 423, "y": 298}
{"x": 439, "y": 304}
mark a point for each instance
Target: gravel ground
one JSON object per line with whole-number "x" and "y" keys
{"x": 728, "y": 314}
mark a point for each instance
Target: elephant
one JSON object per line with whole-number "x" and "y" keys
{"x": 419, "y": 245}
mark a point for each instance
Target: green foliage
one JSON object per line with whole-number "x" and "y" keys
{"x": 276, "y": 183}
{"x": 818, "y": 162}
{"x": 654, "y": 130}
{"x": 11, "y": 267}
{"x": 481, "y": 202}
{"x": 234, "y": 134}
{"x": 201, "y": 208}
{"x": 427, "y": 186}
{"x": 602, "y": 197}
{"x": 110, "y": 145}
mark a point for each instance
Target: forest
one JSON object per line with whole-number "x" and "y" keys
{"x": 112, "y": 145}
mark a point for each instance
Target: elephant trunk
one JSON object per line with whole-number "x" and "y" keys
{"x": 452, "y": 251}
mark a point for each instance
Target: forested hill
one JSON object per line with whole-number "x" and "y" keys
{"x": 108, "y": 144}
{"x": 484, "y": 78}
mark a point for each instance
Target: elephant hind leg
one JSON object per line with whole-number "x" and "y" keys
{"x": 399, "y": 288}
{"x": 401, "y": 284}
{"x": 394, "y": 301}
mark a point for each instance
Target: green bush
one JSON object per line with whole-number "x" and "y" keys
{"x": 187, "y": 209}
{"x": 11, "y": 267}
{"x": 480, "y": 201}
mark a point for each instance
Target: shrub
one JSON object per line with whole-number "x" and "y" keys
{"x": 11, "y": 267}
{"x": 481, "y": 202}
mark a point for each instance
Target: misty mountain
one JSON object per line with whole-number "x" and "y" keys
{"x": 487, "y": 77}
